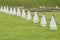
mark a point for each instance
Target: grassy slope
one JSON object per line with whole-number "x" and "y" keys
{"x": 15, "y": 28}
{"x": 30, "y": 3}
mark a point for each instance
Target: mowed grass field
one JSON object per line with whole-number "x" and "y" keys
{"x": 16, "y": 28}
{"x": 30, "y": 3}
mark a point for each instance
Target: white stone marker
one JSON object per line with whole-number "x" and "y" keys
{"x": 53, "y": 23}
{"x": 11, "y": 11}
{"x": 4, "y": 9}
{"x": 35, "y": 18}
{"x": 29, "y": 15}
{"x": 7, "y": 10}
{"x": 14, "y": 11}
{"x": 18, "y": 12}
{"x": 23, "y": 13}
{"x": 1, "y": 9}
{"x": 43, "y": 21}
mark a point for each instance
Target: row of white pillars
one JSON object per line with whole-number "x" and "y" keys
{"x": 14, "y": 11}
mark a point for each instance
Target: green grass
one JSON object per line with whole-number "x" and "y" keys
{"x": 30, "y": 3}
{"x": 16, "y": 28}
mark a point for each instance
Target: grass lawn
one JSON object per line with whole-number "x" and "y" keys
{"x": 30, "y": 3}
{"x": 16, "y": 28}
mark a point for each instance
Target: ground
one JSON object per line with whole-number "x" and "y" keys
{"x": 30, "y": 3}
{"x": 16, "y": 28}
